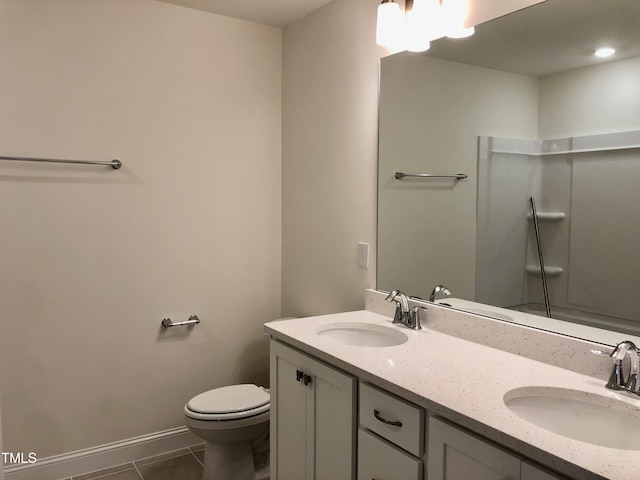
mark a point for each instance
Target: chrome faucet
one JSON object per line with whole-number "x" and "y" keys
{"x": 632, "y": 384}
{"x": 616, "y": 379}
{"x": 402, "y": 305}
{"x": 439, "y": 288}
{"x": 408, "y": 317}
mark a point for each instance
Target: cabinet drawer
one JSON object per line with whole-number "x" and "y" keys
{"x": 396, "y": 420}
{"x": 380, "y": 460}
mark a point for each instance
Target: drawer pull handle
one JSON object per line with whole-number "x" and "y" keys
{"x": 376, "y": 413}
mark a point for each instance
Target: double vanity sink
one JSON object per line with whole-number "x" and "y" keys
{"x": 562, "y": 420}
{"x": 574, "y": 414}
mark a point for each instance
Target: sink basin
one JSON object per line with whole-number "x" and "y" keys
{"x": 362, "y": 334}
{"x": 582, "y": 416}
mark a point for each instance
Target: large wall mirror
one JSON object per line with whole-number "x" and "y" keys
{"x": 525, "y": 110}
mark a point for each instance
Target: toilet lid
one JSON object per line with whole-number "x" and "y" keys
{"x": 230, "y": 399}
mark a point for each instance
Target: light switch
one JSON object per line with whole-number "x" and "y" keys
{"x": 363, "y": 255}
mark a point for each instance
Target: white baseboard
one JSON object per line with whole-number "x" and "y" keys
{"x": 104, "y": 456}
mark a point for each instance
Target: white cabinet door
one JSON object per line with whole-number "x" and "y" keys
{"x": 312, "y": 418}
{"x": 288, "y": 415}
{"x": 530, "y": 472}
{"x": 458, "y": 455}
{"x": 332, "y": 414}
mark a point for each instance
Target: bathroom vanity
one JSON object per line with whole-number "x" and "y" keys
{"x": 313, "y": 415}
{"x": 355, "y": 397}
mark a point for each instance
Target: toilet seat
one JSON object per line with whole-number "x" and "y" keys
{"x": 229, "y": 403}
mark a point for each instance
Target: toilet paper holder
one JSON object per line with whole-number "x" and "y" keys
{"x": 167, "y": 322}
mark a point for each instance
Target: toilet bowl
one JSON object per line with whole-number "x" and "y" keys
{"x": 232, "y": 421}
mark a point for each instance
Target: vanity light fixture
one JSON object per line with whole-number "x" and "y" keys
{"x": 387, "y": 30}
{"x": 604, "y": 52}
{"x": 455, "y": 14}
{"x": 421, "y": 22}
{"x": 462, "y": 32}
{"x": 416, "y": 31}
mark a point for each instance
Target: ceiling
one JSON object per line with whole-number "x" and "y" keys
{"x": 550, "y": 37}
{"x": 277, "y": 13}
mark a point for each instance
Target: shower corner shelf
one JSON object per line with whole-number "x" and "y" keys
{"x": 549, "y": 216}
{"x": 548, "y": 270}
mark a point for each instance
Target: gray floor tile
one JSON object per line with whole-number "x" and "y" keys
{"x": 183, "y": 467}
{"x": 131, "y": 474}
{"x": 108, "y": 473}
{"x": 163, "y": 456}
{"x": 199, "y": 454}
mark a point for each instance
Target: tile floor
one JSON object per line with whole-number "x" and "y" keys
{"x": 185, "y": 464}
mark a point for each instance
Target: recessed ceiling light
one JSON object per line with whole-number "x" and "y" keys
{"x": 605, "y": 52}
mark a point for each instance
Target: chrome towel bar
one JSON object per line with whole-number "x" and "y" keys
{"x": 457, "y": 176}
{"x": 115, "y": 164}
{"x": 193, "y": 320}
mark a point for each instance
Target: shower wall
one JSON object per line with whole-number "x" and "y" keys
{"x": 603, "y": 228}
{"x": 597, "y": 100}
{"x": 92, "y": 259}
{"x": 586, "y": 192}
{"x": 509, "y": 173}
{"x": 594, "y": 190}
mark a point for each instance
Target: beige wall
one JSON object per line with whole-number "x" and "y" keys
{"x": 590, "y": 101}
{"x": 330, "y": 115}
{"x": 431, "y": 114}
{"x": 330, "y": 122}
{"x": 92, "y": 258}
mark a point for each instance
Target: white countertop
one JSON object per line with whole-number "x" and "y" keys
{"x": 572, "y": 328}
{"x": 466, "y": 382}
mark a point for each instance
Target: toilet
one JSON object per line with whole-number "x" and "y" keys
{"x": 234, "y": 422}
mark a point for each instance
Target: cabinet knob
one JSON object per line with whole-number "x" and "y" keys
{"x": 299, "y": 375}
{"x": 307, "y": 380}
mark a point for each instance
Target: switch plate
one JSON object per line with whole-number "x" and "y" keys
{"x": 363, "y": 255}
